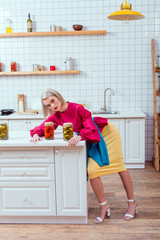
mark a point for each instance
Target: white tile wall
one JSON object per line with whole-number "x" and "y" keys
{"x": 121, "y": 59}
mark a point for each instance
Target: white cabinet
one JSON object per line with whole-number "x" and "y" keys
{"x": 71, "y": 181}
{"x": 120, "y": 124}
{"x": 43, "y": 184}
{"x": 27, "y": 199}
{"x": 135, "y": 139}
{"x": 23, "y": 125}
{"x": 27, "y": 182}
{"x": 132, "y": 134}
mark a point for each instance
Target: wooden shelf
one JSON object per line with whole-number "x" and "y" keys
{"x": 61, "y": 33}
{"x": 39, "y": 73}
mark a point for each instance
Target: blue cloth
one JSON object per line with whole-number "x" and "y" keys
{"x": 98, "y": 151}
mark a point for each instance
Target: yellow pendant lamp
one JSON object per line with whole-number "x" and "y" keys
{"x": 126, "y": 13}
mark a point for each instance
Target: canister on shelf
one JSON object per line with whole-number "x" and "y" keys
{"x": 13, "y": 67}
{"x": 49, "y": 130}
{"x": 67, "y": 131}
{"x": 0, "y": 67}
{"x": 3, "y": 131}
{"x": 68, "y": 63}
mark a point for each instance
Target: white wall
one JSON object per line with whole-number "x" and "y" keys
{"x": 121, "y": 59}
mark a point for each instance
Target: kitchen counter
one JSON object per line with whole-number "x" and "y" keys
{"x": 22, "y": 139}
{"x": 22, "y": 116}
{"x": 125, "y": 114}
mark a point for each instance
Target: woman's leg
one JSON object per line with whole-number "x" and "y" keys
{"x": 128, "y": 186}
{"x": 97, "y": 186}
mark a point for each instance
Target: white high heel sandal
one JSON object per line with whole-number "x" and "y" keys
{"x": 107, "y": 214}
{"x": 128, "y": 216}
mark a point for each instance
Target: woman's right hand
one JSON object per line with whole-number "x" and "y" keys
{"x": 35, "y": 138}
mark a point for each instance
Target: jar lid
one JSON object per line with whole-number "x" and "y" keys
{"x": 3, "y": 124}
{"x": 67, "y": 125}
{"x": 48, "y": 124}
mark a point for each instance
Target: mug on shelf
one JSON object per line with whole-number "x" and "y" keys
{"x": 52, "y": 68}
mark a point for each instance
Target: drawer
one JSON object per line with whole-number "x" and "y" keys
{"x": 15, "y": 172}
{"x": 16, "y": 155}
{"x": 36, "y": 199}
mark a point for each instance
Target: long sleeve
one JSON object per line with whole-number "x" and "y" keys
{"x": 40, "y": 129}
{"x": 89, "y": 132}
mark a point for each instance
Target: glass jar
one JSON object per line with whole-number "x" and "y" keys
{"x": 0, "y": 67}
{"x": 67, "y": 131}
{"x": 3, "y": 131}
{"x": 48, "y": 130}
{"x": 13, "y": 67}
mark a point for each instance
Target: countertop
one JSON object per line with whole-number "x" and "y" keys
{"x": 22, "y": 139}
{"x": 126, "y": 114}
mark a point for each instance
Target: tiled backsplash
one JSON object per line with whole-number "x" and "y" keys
{"x": 121, "y": 59}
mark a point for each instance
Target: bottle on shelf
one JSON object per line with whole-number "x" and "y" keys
{"x": 29, "y": 24}
{"x": 21, "y": 103}
{"x": 8, "y": 26}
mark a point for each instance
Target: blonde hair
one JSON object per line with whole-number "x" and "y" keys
{"x": 48, "y": 93}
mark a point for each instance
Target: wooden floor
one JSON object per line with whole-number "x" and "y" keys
{"x": 145, "y": 226}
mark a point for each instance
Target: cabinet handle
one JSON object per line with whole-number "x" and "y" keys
{"x": 56, "y": 152}
{"x": 22, "y": 154}
{"x": 23, "y": 173}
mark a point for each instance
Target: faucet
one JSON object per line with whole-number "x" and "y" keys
{"x": 104, "y": 108}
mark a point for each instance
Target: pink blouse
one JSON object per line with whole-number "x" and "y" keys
{"x": 81, "y": 119}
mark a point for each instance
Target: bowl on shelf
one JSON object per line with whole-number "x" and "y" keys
{"x": 77, "y": 27}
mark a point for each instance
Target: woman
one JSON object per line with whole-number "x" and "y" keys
{"x": 96, "y": 130}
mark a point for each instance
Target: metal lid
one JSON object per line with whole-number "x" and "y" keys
{"x": 3, "y": 124}
{"x": 48, "y": 124}
{"x": 67, "y": 125}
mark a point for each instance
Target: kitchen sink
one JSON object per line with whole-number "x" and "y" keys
{"x": 107, "y": 112}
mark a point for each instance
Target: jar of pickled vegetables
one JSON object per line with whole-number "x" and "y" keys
{"x": 67, "y": 131}
{"x": 3, "y": 131}
{"x": 13, "y": 67}
{"x": 49, "y": 130}
{"x": 0, "y": 67}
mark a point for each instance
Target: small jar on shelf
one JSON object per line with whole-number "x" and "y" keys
{"x": 13, "y": 67}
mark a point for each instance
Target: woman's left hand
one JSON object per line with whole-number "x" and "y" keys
{"x": 74, "y": 140}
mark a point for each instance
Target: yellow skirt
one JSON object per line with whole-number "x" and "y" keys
{"x": 112, "y": 139}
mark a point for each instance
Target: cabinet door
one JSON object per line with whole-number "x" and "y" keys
{"x": 119, "y": 123}
{"x": 71, "y": 190}
{"x": 18, "y": 125}
{"x": 135, "y": 141}
{"x": 27, "y": 199}
{"x": 34, "y": 123}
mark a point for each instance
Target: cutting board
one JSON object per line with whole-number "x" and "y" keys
{"x": 26, "y": 113}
